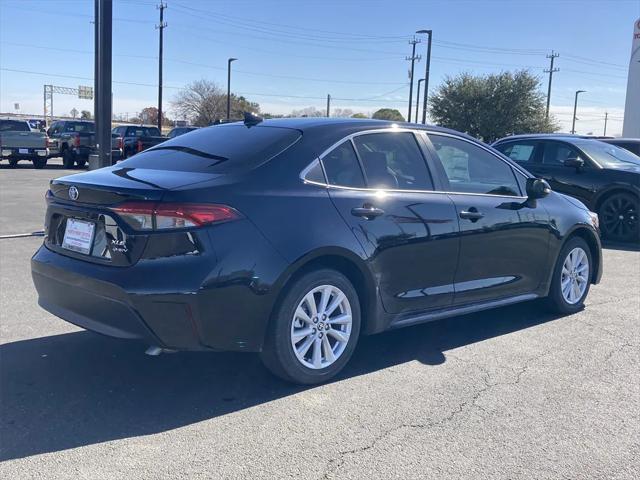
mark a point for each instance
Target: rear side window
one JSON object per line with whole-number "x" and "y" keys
{"x": 393, "y": 160}
{"x": 519, "y": 152}
{"x": 218, "y": 149}
{"x": 342, "y": 168}
{"x": 14, "y": 126}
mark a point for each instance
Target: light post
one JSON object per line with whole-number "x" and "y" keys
{"x": 418, "y": 98}
{"x": 426, "y": 75}
{"x": 229, "y": 87}
{"x": 575, "y": 108}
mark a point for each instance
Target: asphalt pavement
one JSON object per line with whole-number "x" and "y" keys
{"x": 513, "y": 393}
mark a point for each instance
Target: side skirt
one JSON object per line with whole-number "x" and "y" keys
{"x": 463, "y": 310}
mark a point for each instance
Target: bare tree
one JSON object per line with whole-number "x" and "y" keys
{"x": 308, "y": 112}
{"x": 203, "y": 102}
{"x": 342, "y": 112}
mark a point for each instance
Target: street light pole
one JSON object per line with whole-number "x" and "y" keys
{"x": 426, "y": 75}
{"x": 418, "y": 98}
{"x": 575, "y": 108}
{"x": 229, "y": 87}
{"x": 413, "y": 61}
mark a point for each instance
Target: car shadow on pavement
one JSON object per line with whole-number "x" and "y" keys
{"x": 76, "y": 389}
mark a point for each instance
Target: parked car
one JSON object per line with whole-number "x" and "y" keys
{"x": 604, "y": 177}
{"x": 135, "y": 139}
{"x": 75, "y": 140}
{"x": 631, "y": 144}
{"x": 176, "y": 132}
{"x": 19, "y": 142}
{"x": 37, "y": 124}
{"x": 293, "y": 237}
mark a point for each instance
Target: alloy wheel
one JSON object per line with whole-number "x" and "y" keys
{"x": 619, "y": 217}
{"x": 321, "y": 327}
{"x": 575, "y": 276}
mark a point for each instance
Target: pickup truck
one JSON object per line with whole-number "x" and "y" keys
{"x": 74, "y": 140}
{"x": 19, "y": 142}
{"x": 135, "y": 139}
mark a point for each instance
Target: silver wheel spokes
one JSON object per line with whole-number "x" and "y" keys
{"x": 321, "y": 327}
{"x": 575, "y": 275}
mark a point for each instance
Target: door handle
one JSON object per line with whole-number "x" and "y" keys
{"x": 472, "y": 214}
{"x": 368, "y": 211}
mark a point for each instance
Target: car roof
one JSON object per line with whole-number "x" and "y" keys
{"x": 622, "y": 140}
{"x": 352, "y": 124}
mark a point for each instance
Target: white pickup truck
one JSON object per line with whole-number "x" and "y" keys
{"x": 19, "y": 142}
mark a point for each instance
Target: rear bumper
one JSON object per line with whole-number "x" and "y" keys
{"x": 213, "y": 301}
{"x": 30, "y": 154}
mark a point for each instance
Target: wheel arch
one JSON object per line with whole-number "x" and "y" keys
{"x": 593, "y": 242}
{"x": 614, "y": 189}
{"x": 345, "y": 262}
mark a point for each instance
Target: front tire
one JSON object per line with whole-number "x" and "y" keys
{"x": 39, "y": 163}
{"x": 314, "y": 329}
{"x": 68, "y": 158}
{"x": 619, "y": 219}
{"x": 571, "y": 277}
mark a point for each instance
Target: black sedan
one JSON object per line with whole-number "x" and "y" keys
{"x": 294, "y": 237}
{"x": 606, "y": 178}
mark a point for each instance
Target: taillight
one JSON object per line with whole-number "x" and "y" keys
{"x": 76, "y": 141}
{"x": 170, "y": 216}
{"x": 139, "y": 145}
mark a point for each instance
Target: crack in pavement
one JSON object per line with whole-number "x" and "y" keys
{"x": 334, "y": 464}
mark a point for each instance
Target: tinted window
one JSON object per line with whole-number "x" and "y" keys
{"x": 14, "y": 126}
{"x": 143, "y": 132}
{"x": 555, "y": 153}
{"x": 342, "y": 168}
{"x": 83, "y": 127}
{"x": 218, "y": 149}
{"x": 393, "y": 160}
{"x": 471, "y": 169}
{"x": 315, "y": 173}
{"x": 519, "y": 152}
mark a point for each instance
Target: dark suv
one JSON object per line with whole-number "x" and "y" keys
{"x": 606, "y": 178}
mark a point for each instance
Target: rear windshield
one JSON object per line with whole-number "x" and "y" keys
{"x": 82, "y": 127}
{"x": 217, "y": 149}
{"x": 14, "y": 126}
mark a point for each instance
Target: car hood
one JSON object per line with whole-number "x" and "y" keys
{"x": 624, "y": 167}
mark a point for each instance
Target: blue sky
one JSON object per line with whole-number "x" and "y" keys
{"x": 292, "y": 53}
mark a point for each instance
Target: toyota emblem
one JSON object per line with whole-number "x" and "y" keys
{"x": 73, "y": 193}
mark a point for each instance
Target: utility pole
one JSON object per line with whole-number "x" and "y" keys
{"x": 575, "y": 108}
{"x": 160, "y": 28}
{"x": 426, "y": 76}
{"x": 551, "y": 71}
{"x": 606, "y": 117}
{"x": 418, "y": 98}
{"x": 328, "y": 105}
{"x": 229, "y": 87}
{"x": 102, "y": 81}
{"x": 413, "y": 59}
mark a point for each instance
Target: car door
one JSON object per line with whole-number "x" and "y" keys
{"x": 381, "y": 185}
{"x": 579, "y": 182}
{"x": 503, "y": 238}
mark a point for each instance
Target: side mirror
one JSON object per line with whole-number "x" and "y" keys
{"x": 537, "y": 188}
{"x": 574, "y": 162}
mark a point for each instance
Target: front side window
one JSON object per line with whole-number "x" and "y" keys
{"x": 393, "y": 160}
{"x": 471, "y": 169}
{"x": 555, "y": 153}
{"x": 342, "y": 168}
{"x": 522, "y": 152}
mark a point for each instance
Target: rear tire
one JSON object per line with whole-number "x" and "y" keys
{"x": 39, "y": 163}
{"x": 13, "y": 162}
{"x": 68, "y": 158}
{"x": 571, "y": 277}
{"x": 314, "y": 329}
{"x": 81, "y": 162}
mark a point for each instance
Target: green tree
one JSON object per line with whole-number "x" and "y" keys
{"x": 359, "y": 115}
{"x": 85, "y": 115}
{"x": 492, "y": 106}
{"x": 388, "y": 114}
